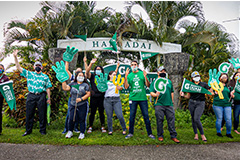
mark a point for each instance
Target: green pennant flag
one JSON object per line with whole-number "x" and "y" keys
{"x": 146, "y": 55}
{"x": 83, "y": 37}
{"x": 6, "y": 89}
{"x": 191, "y": 87}
{"x": 113, "y": 43}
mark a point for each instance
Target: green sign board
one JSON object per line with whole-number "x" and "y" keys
{"x": 122, "y": 70}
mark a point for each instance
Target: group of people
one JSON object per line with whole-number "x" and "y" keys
{"x": 84, "y": 85}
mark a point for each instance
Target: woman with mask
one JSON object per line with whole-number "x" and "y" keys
{"x": 3, "y": 78}
{"x": 97, "y": 97}
{"x": 112, "y": 102}
{"x": 80, "y": 92}
{"x": 222, "y": 107}
{"x": 196, "y": 105}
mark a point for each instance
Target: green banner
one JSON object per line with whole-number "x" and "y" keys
{"x": 146, "y": 55}
{"x": 191, "y": 87}
{"x": 6, "y": 89}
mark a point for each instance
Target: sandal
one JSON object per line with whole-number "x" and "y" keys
{"x": 103, "y": 130}
{"x": 89, "y": 130}
{"x": 110, "y": 133}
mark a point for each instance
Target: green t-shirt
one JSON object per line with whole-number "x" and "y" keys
{"x": 222, "y": 102}
{"x": 36, "y": 83}
{"x": 237, "y": 96}
{"x": 163, "y": 99}
{"x": 136, "y": 83}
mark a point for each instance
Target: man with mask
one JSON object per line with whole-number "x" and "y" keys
{"x": 97, "y": 97}
{"x": 38, "y": 86}
{"x": 196, "y": 105}
{"x": 136, "y": 81}
{"x": 163, "y": 103}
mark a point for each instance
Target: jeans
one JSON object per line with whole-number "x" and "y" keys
{"x": 66, "y": 120}
{"x": 160, "y": 111}
{"x": 133, "y": 109}
{"x": 236, "y": 112}
{"x": 81, "y": 112}
{"x": 196, "y": 109}
{"x": 110, "y": 104}
{"x": 225, "y": 112}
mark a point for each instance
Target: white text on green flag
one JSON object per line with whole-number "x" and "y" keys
{"x": 146, "y": 55}
{"x": 6, "y": 89}
{"x": 191, "y": 87}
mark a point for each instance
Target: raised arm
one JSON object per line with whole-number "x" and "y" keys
{"x": 88, "y": 74}
{"x": 19, "y": 68}
{"x": 85, "y": 63}
{"x": 147, "y": 83}
{"x": 126, "y": 85}
{"x": 66, "y": 67}
{"x": 65, "y": 87}
{"x": 116, "y": 70}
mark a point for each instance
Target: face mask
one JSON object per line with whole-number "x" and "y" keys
{"x": 80, "y": 79}
{"x": 162, "y": 74}
{"x": 1, "y": 71}
{"x": 98, "y": 72}
{"x": 134, "y": 68}
{"x": 196, "y": 79}
{"x": 38, "y": 69}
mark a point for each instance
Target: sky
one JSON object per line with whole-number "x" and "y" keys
{"x": 217, "y": 11}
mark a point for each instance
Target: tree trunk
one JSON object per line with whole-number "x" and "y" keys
{"x": 176, "y": 64}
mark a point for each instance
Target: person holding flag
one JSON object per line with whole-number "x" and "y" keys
{"x": 3, "y": 78}
{"x": 38, "y": 86}
{"x": 196, "y": 105}
{"x": 136, "y": 81}
{"x": 163, "y": 103}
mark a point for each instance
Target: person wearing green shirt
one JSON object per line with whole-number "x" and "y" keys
{"x": 163, "y": 103}
{"x": 38, "y": 86}
{"x": 136, "y": 81}
{"x": 222, "y": 107}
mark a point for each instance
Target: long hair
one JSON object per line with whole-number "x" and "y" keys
{"x": 76, "y": 75}
{"x": 232, "y": 82}
{"x": 96, "y": 69}
{"x": 2, "y": 66}
{"x": 110, "y": 73}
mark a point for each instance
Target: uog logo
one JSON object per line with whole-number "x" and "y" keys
{"x": 160, "y": 85}
{"x": 224, "y": 67}
{"x": 6, "y": 87}
{"x": 186, "y": 86}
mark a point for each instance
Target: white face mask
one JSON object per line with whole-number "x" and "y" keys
{"x": 196, "y": 79}
{"x": 80, "y": 79}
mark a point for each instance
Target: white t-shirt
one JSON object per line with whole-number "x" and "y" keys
{"x": 110, "y": 92}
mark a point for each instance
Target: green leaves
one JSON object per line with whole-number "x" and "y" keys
{"x": 61, "y": 73}
{"x": 69, "y": 54}
{"x": 102, "y": 82}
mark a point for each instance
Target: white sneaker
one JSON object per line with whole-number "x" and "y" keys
{"x": 69, "y": 134}
{"x": 81, "y": 136}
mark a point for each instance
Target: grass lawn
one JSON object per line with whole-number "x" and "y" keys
{"x": 55, "y": 137}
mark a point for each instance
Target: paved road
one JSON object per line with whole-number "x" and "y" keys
{"x": 163, "y": 152}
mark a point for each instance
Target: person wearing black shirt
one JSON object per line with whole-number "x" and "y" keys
{"x": 196, "y": 105}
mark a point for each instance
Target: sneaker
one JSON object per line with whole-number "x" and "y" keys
{"x": 129, "y": 136}
{"x": 219, "y": 135}
{"x": 76, "y": 130}
{"x": 103, "y": 130}
{"x": 151, "y": 136}
{"x": 81, "y": 136}
{"x": 89, "y": 130}
{"x": 69, "y": 134}
{"x": 229, "y": 135}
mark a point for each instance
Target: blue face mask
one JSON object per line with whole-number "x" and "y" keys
{"x": 134, "y": 68}
{"x": 1, "y": 71}
{"x": 98, "y": 72}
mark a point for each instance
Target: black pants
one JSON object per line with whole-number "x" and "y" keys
{"x": 40, "y": 102}
{"x": 96, "y": 102}
{"x": 1, "y": 104}
{"x": 80, "y": 117}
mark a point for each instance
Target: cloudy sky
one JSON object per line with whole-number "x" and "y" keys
{"x": 217, "y": 11}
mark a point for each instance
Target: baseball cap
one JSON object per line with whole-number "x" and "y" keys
{"x": 194, "y": 74}
{"x": 38, "y": 63}
{"x": 161, "y": 68}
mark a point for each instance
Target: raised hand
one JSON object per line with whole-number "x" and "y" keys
{"x": 15, "y": 53}
{"x": 235, "y": 63}
{"x": 102, "y": 82}
{"x": 127, "y": 72}
{"x": 61, "y": 73}
{"x": 93, "y": 60}
{"x": 213, "y": 76}
{"x": 69, "y": 54}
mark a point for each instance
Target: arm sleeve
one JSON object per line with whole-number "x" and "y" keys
{"x": 87, "y": 88}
